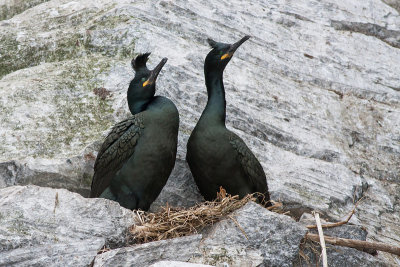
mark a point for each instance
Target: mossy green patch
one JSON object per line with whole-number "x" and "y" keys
{"x": 215, "y": 258}
{"x": 81, "y": 115}
{"x": 87, "y": 179}
{"x": 17, "y": 56}
{"x": 5, "y": 112}
{"x": 8, "y": 44}
{"x": 305, "y": 193}
{"x": 110, "y": 21}
{"x": 62, "y": 114}
{"x": 69, "y": 37}
{"x": 13, "y": 8}
{"x": 18, "y": 225}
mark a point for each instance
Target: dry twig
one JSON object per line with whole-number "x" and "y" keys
{"x": 357, "y": 244}
{"x": 321, "y": 240}
{"x": 330, "y": 225}
{"x": 238, "y": 225}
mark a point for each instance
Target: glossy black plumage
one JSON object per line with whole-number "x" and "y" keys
{"x": 139, "y": 153}
{"x": 216, "y": 156}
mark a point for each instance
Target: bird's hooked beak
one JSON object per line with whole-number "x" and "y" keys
{"x": 154, "y": 73}
{"x": 234, "y": 47}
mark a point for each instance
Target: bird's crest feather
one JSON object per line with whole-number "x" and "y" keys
{"x": 140, "y": 61}
{"x": 212, "y": 43}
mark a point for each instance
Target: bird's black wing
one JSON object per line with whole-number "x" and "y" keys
{"x": 118, "y": 146}
{"x": 250, "y": 164}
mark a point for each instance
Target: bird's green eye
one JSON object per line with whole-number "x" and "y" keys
{"x": 220, "y": 52}
{"x": 143, "y": 79}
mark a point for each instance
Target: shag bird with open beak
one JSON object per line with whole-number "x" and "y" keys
{"x": 138, "y": 155}
{"x": 216, "y": 156}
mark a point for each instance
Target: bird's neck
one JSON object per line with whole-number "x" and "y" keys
{"x": 215, "y": 111}
{"x": 137, "y": 105}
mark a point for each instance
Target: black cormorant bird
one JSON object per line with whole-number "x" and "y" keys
{"x": 138, "y": 155}
{"x": 216, "y": 156}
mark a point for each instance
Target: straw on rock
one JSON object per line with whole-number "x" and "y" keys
{"x": 176, "y": 222}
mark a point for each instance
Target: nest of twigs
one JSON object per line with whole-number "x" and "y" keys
{"x": 176, "y": 222}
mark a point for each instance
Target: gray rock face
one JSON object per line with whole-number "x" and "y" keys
{"x": 177, "y": 264}
{"x": 79, "y": 253}
{"x": 181, "y": 249}
{"x": 47, "y": 227}
{"x": 54, "y": 227}
{"x": 74, "y": 174}
{"x": 253, "y": 236}
{"x": 315, "y": 93}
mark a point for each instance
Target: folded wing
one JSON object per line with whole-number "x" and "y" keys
{"x": 117, "y": 148}
{"x": 251, "y": 166}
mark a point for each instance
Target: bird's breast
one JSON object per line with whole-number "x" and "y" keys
{"x": 208, "y": 145}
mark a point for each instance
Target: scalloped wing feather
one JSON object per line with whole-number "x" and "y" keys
{"x": 117, "y": 148}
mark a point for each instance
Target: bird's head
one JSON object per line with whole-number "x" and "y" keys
{"x": 143, "y": 86}
{"x": 221, "y": 53}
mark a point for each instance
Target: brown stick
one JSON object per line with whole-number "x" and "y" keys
{"x": 330, "y": 225}
{"x": 357, "y": 244}
{"x": 238, "y": 225}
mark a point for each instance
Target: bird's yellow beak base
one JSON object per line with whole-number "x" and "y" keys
{"x": 146, "y": 83}
{"x": 226, "y": 55}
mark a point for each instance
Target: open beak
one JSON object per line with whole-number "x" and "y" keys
{"x": 234, "y": 47}
{"x": 154, "y": 73}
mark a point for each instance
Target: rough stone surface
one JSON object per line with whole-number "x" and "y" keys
{"x": 181, "y": 249}
{"x": 79, "y": 253}
{"x": 253, "y": 236}
{"x": 47, "y": 227}
{"x": 54, "y": 227}
{"x": 315, "y": 93}
{"x": 177, "y": 264}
